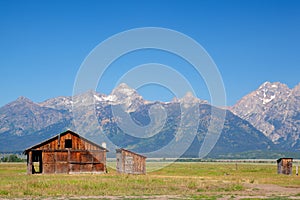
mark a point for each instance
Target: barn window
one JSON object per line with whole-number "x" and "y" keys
{"x": 68, "y": 143}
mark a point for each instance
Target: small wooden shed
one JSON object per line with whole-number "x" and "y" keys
{"x": 129, "y": 162}
{"x": 285, "y": 166}
{"x": 67, "y": 152}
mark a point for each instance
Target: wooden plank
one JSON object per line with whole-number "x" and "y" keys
{"x": 29, "y": 163}
{"x": 58, "y": 159}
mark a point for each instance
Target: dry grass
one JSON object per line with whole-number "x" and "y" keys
{"x": 183, "y": 179}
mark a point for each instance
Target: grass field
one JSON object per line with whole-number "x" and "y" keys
{"x": 178, "y": 180}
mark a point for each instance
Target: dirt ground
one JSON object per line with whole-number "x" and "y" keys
{"x": 269, "y": 190}
{"x": 253, "y": 191}
{"x": 265, "y": 191}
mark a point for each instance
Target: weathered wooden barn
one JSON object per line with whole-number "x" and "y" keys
{"x": 129, "y": 162}
{"x": 285, "y": 166}
{"x": 67, "y": 152}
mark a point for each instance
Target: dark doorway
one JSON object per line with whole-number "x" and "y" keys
{"x": 37, "y": 162}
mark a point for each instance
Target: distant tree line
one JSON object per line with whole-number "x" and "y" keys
{"x": 12, "y": 158}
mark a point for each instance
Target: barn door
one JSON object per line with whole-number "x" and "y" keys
{"x": 37, "y": 162}
{"x": 289, "y": 168}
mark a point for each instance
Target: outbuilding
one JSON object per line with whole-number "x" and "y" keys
{"x": 67, "y": 152}
{"x": 129, "y": 162}
{"x": 285, "y": 166}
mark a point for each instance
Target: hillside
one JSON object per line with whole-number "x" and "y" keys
{"x": 145, "y": 126}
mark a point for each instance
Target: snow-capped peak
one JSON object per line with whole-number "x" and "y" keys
{"x": 124, "y": 95}
{"x": 267, "y": 100}
{"x": 111, "y": 98}
{"x": 267, "y": 109}
{"x": 97, "y": 98}
{"x": 61, "y": 103}
{"x": 123, "y": 89}
{"x": 267, "y": 92}
{"x": 190, "y": 98}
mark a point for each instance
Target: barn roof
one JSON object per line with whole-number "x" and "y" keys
{"x": 61, "y": 134}
{"x": 121, "y": 149}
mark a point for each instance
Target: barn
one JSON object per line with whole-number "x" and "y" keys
{"x": 285, "y": 166}
{"x": 68, "y": 153}
{"x": 129, "y": 162}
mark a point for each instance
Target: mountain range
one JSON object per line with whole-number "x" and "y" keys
{"x": 274, "y": 109}
{"x": 264, "y": 123}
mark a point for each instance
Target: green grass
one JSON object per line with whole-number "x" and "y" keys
{"x": 193, "y": 180}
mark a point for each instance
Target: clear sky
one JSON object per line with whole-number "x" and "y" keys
{"x": 43, "y": 43}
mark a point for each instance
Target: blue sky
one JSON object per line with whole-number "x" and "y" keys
{"x": 43, "y": 43}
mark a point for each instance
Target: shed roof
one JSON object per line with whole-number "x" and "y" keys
{"x": 121, "y": 149}
{"x": 61, "y": 134}
{"x": 282, "y": 159}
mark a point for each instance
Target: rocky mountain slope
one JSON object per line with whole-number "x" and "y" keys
{"x": 274, "y": 109}
{"x": 23, "y": 116}
{"x": 24, "y": 123}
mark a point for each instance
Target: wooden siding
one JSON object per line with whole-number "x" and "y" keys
{"x": 130, "y": 163}
{"x": 71, "y": 161}
{"x": 84, "y": 156}
{"x": 285, "y": 166}
{"x": 77, "y": 143}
